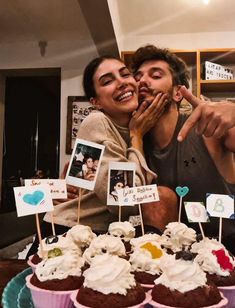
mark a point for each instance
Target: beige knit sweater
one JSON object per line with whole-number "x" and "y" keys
{"x": 99, "y": 128}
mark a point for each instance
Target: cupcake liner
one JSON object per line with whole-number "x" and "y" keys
{"x": 147, "y": 287}
{"x": 46, "y": 298}
{"x": 221, "y": 304}
{"x": 31, "y": 264}
{"x": 229, "y": 293}
{"x": 141, "y": 305}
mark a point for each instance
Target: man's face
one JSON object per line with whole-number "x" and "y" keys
{"x": 154, "y": 77}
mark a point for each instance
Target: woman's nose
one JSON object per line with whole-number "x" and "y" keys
{"x": 122, "y": 82}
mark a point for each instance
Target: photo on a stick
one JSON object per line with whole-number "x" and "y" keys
{"x": 121, "y": 175}
{"x": 84, "y": 164}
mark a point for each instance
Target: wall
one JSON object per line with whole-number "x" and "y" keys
{"x": 67, "y": 55}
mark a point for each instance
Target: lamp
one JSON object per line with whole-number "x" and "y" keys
{"x": 42, "y": 45}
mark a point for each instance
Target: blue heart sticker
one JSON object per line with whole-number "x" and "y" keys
{"x": 35, "y": 198}
{"x": 182, "y": 191}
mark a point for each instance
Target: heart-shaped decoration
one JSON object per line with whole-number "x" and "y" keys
{"x": 35, "y": 198}
{"x": 182, "y": 191}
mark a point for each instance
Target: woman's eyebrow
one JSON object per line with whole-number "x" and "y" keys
{"x": 105, "y": 75}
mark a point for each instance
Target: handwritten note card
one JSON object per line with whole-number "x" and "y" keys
{"x": 196, "y": 212}
{"x": 138, "y": 195}
{"x": 220, "y": 205}
{"x": 57, "y": 186}
{"x": 32, "y": 199}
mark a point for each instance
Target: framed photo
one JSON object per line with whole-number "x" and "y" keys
{"x": 78, "y": 109}
{"x": 121, "y": 175}
{"x": 84, "y": 164}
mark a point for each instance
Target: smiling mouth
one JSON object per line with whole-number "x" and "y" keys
{"x": 125, "y": 96}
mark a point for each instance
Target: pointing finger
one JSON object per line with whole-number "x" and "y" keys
{"x": 189, "y": 124}
{"x": 195, "y": 101}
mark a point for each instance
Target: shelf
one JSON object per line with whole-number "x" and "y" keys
{"x": 217, "y": 85}
{"x": 219, "y": 56}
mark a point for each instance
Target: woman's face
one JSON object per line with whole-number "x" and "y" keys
{"x": 89, "y": 163}
{"x": 116, "y": 90}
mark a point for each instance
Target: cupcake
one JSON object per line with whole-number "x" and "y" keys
{"x": 55, "y": 279}
{"x": 177, "y": 236}
{"x": 104, "y": 243}
{"x": 124, "y": 230}
{"x": 145, "y": 261}
{"x": 109, "y": 283}
{"x": 219, "y": 266}
{"x": 77, "y": 238}
{"x": 184, "y": 284}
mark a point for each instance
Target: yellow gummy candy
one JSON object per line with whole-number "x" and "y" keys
{"x": 155, "y": 252}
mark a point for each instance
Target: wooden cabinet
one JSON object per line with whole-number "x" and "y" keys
{"x": 195, "y": 59}
{"x": 216, "y": 89}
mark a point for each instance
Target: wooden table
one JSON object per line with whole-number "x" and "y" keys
{"x": 8, "y": 269}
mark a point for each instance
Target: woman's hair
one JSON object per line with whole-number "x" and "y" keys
{"x": 88, "y": 74}
{"x": 178, "y": 68}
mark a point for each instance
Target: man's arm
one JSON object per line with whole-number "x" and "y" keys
{"x": 211, "y": 119}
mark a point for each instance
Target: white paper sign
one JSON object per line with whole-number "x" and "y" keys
{"x": 57, "y": 186}
{"x": 196, "y": 212}
{"x": 32, "y": 199}
{"x": 138, "y": 195}
{"x": 220, "y": 205}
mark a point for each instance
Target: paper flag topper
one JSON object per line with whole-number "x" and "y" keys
{"x": 33, "y": 199}
{"x": 196, "y": 212}
{"x": 220, "y": 205}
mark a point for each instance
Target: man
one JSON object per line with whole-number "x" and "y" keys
{"x": 196, "y": 151}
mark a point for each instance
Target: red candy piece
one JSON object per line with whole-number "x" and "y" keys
{"x": 222, "y": 259}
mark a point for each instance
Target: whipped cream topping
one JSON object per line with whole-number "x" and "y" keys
{"x": 123, "y": 229}
{"x": 207, "y": 260}
{"x": 180, "y": 275}
{"x": 142, "y": 260}
{"x": 81, "y": 235}
{"x": 63, "y": 243}
{"x": 60, "y": 267}
{"x": 148, "y": 237}
{"x": 102, "y": 244}
{"x": 109, "y": 274}
{"x": 177, "y": 236}
{"x": 210, "y": 244}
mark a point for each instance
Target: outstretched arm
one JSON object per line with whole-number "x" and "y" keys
{"x": 211, "y": 119}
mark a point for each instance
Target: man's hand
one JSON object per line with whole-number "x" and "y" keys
{"x": 211, "y": 119}
{"x": 72, "y": 191}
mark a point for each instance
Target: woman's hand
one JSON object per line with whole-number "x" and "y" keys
{"x": 147, "y": 114}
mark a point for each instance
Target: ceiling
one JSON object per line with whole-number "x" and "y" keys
{"x": 88, "y": 22}
{"x": 149, "y": 17}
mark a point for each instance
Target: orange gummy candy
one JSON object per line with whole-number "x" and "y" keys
{"x": 155, "y": 252}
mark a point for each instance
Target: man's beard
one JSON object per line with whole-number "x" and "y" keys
{"x": 152, "y": 94}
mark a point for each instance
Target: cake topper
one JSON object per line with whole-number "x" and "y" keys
{"x": 181, "y": 192}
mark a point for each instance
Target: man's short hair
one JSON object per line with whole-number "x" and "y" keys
{"x": 178, "y": 68}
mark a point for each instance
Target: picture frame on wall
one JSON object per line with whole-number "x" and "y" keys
{"x": 77, "y": 110}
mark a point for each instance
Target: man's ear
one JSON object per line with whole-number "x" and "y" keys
{"x": 177, "y": 96}
{"x": 95, "y": 102}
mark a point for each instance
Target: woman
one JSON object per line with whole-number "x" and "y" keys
{"x": 111, "y": 88}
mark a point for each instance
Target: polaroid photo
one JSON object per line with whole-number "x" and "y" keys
{"x": 84, "y": 164}
{"x": 121, "y": 175}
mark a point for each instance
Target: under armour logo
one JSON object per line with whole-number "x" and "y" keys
{"x": 186, "y": 162}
